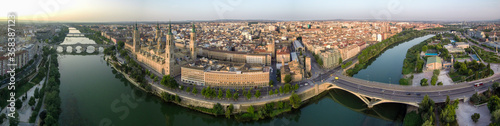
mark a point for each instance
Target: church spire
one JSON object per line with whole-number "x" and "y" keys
{"x": 136, "y": 25}
{"x": 170, "y": 28}
{"x": 193, "y": 28}
{"x": 157, "y": 26}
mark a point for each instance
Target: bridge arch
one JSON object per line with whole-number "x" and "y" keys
{"x": 339, "y": 95}
{"x": 369, "y": 100}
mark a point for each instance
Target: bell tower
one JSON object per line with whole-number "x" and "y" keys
{"x": 158, "y": 37}
{"x": 169, "y": 51}
{"x": 192, "y": 44}
{"x": 136, "y": 39}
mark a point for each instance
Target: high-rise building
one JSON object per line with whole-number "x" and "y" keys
{"x": 330, "y": 58}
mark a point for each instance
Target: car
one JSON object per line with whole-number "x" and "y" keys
{"x": 478, "y": 84}
{"x": 336, "y": 78}
{"x": 408, "y": 93}
{"x": 307, "y": 84}
{"x": 418, "y": 94}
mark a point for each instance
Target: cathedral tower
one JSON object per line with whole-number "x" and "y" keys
{"x": 136, "y": 39}
{"x": 169, "y": 51}
{"x": 192, "y": 44}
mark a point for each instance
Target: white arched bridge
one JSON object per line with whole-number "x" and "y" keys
{"x": 78, "y": 34}
{"x": 375, "y": 93}
{"x": 83, "y": 46}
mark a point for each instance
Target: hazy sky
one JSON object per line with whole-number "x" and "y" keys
{"x": 177, "y": 10}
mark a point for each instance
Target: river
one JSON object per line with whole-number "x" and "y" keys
{"x": 92, "y": 93}
{"x": 388, "y": 66}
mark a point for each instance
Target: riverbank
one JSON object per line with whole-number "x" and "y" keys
{"x": 366, "y": 56}
{"x": 191, "y": 101}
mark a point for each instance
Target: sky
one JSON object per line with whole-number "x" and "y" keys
{"x": 182, "y": 10}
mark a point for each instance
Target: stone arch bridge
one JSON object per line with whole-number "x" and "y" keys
{"x": 83, "y": 46}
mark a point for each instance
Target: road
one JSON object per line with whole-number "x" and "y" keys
{"x": 487, "y": 49}
{"x": 411, "y": 93}
{"x": 25, "y": 71}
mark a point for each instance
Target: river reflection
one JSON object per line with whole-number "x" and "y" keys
{"x": 92, "y": 94}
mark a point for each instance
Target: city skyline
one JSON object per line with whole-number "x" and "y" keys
{"x": 155, "y": 10}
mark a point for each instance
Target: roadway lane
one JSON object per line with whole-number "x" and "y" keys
{"x": 409, "y": 95}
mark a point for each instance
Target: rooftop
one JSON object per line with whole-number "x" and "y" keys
{"x": 433, "y": 59}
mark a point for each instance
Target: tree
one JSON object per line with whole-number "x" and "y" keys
{"x": 120, "y": 45}
{"x": 496, "y": 88}
{"x": 340, "y": 60}
{"x": 425, "y": 104}
{"x": 19, "y": 104}
{"x": 32, "y": 101}
{"x": 195, "y": 91}
{"x": 275, "y": 91}
{"x": 281, "y": 104}
{"x": 177, "y": 99}
{"x": 288, "y": 78}
{"x": 37, "y": 93}
{"x": 188, "y": 89}
{"x": 433, "y": 80}
{"x": 475, "y": 98}
{"x": 156, "y": 79}
{"x": 250, "y": 109}
{"x": 220, "y": 94}
{"x": 270, "y": 92}
{"x": 257, "y": 93}
{"x": 235, "y": 96}
{"x": 228, "y": 94}
{"x": 295, "y": 100}
{"x": 281, "y": 90}
{"x": 249, "y": 94}
{"x": 427, "y": 123}
{"x": 494, "y": 103}
{"x": 15, "y": 121}
{"x": 448, "y": 114}
{"x": 204, "y": 92}
{"x": 229, "y": 110}
{"x": 296, "y": 86}
{"x": 165, "y": 96}
{"x": 424, "y": 82}
{"x": 228, "y": 114}
{"x": 271, "y": 82}
{"x": 440, "y": 83}
{"x": 475, "y": 117}
{"x": 319, "y": 61}
{"x": 495, "y": 116}
{"x": 287, "y": 87}
{"x": 217, "y": 109}
{"x": 424, "y": 48}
